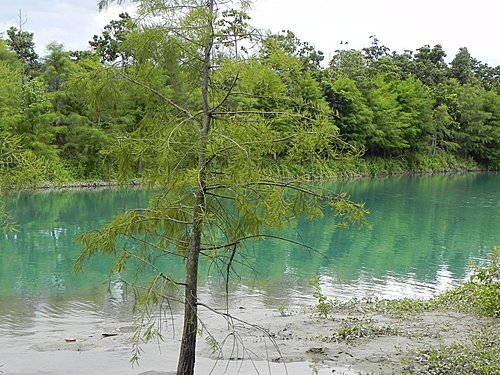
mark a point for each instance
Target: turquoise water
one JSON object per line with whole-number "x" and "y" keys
{"x": 425, "y": 232}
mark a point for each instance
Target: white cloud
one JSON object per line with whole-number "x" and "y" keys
{"x": 400, "y": 25}
{"x": 70, "y": 22}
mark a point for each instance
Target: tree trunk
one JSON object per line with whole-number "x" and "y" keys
{"x": 185, "y": 365}
{"x": 187, "y": 356}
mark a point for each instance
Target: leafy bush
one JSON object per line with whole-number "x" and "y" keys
{"x": 481, "y": 357}
{"x": 324, "y": 305}
{"x": 486, "y": 280}
{"x": 482, "y": 292}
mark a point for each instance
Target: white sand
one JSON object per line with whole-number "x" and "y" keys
{"x": 293, "y": 343}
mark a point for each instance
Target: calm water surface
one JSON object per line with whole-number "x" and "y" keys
{"x": 425, "y": 232}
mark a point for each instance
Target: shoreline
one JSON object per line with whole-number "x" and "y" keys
{"x": 101, "y": 184}
{"x": 356, "y": 338}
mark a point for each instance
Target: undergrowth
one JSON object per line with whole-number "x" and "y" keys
{"x": 480, "y": 357}
{"x": 479, "y": 295}
{"x": 371, "y": 166}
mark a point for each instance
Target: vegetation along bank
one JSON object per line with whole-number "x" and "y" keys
{"x": 71, "y": 115}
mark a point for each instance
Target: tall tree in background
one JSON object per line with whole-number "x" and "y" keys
{"x": 205, "y": 141}
{"x": 479, "y": 113}
{"x": 461, "y": 66}
{"x": 375, "y": 51}
{"x": 355, "y": 116}
{"x": 108, "y": 46}
{"x": 429, "y": 64}
{"x": 21, "y": 43}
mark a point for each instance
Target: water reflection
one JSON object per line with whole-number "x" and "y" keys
{"x": 425, "y": 232}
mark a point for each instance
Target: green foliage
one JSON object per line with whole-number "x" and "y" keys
{"x": 409, "y": 105}
{"x": 481, "y": 357}
{"x": 21, "y": 43}
{"x": 109, "y": 45}
{"x": 287, "y": 42}
{"x": 487, "y": 281}
{"x": 404, "y": 307}
{"x": 350, "y": 64}
{"x": 210, "y": 123}
{"x": 355, "y": 116}
{"x": 84, "y": 152}
{"x": 443, "y": 131}
{"x": 22, "y": 168}
{"x": 324, "y": 305}
{"x": 389, "y": 136}
{"x": 6, "y": 222}
{"x": 359, "y": 330}
{"x": 482, "y": 292}
{"x": 429, "y": 65}
{"x": 461, "y": 66}
{"x": 479, "y": 112}
{"x": 489, "y": 273}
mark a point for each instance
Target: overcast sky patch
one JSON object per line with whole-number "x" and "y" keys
{"x": 400, "y": 25}
{"x": 70, "y": 22}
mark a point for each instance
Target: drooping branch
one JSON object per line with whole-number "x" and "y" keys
{"x": 257, "y": 236}
{"x": 162, "y": 250}
{"x": 231, "y": 319}
{"x": 249, "y": 112}
{"x": 228, "y": 93}
{"x": 169, "y": 101}
{"x": 276, "y": 140}
{"x": 281, "y": 184}
{"x": 153, "y": 267}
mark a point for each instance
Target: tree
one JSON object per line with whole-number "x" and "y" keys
{"x": 6, "y": 55}
{"x": 57, "y": 68}
{"x": 402, "y": 64}
{"x": 293, "y": 46}
{"x": 490, "y": 152}
{"x": 20, "y": 166}
{"x": 487, "y": 75}
{"x": 375, "y": 51}
{"x": 10, "y": 93}
{"x": 415, "y": 112}
{"x": 349, "y": 63}
{"x": 109, "y": 46}
{"x": 389, "y": 135}
{"x": 355, "y": 117}
{"x": 443, "y": 131}
{"x": 429, "y": 64}
{"x": 461, "y": 66}
{"x": 479, "y": 113}
{"x": 21, "y": 43}
{"x": 205, "y": 144}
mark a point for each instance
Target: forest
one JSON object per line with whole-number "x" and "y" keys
{"x": 74, "y": 115}
{"x": 230, "y": 123}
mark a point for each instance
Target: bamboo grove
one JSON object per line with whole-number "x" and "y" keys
{"x": 63, "y": 116}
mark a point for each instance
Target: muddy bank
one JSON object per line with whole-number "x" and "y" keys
{"x": 353, "y": 340}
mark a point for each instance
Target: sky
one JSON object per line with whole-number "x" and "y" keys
{"x": 398, "y": 24}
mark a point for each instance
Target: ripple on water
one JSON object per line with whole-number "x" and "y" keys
{"x": 29, "y": 318}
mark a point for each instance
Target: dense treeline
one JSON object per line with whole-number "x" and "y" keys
{"x": 67, "y": 115}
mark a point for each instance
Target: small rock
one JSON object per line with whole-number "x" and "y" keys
{"x": 316, "y": 351}
{"x": 109, "y": 334}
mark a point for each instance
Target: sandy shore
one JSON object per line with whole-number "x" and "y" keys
{"x": 354, "y": 340}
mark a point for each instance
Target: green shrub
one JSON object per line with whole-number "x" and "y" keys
{"x": 324, "y": 305}
{"x": 482, "y": 292}
{"x": 481, "y": 357}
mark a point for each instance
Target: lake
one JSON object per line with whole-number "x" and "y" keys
{"x": 425, "y": 232}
